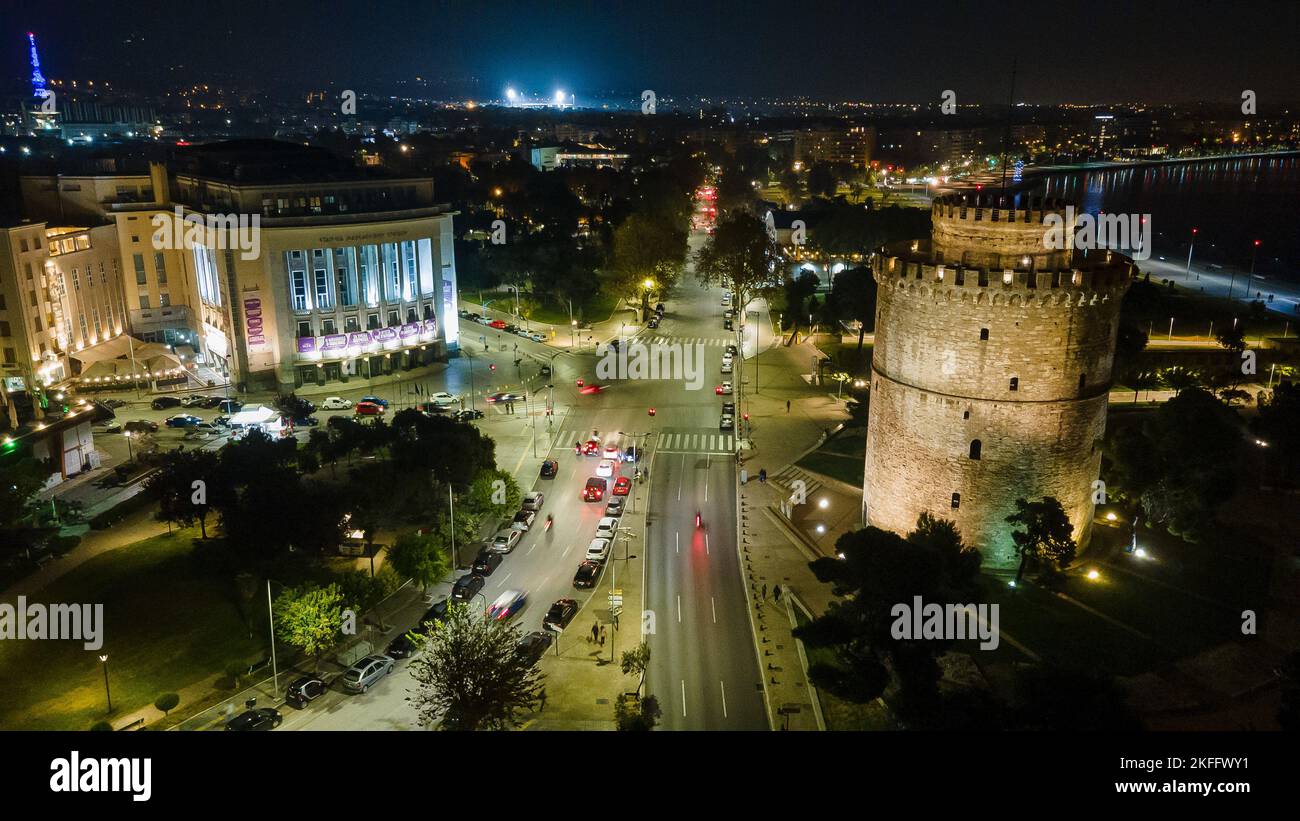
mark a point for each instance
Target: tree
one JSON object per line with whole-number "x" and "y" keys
{"x": 309, "y": 618}
{"x": 636, "y": 714}
{"x": 1061, "y": 699}
{"x": 469, "y": 675}
{"x": 635, "y": 662}
{"x": 1143, "y": 381}
{"x": 1278, "y": 424}
{"x": 421, "y": 557}
{"x": 798, "y": 290}
{"x": 646, "y": 249}
{"x": 182, "y": 484}
{"x": 1046, "y": 539}
{"x": 742, "y": 257}
{"x": 494, "y": 492}
{"x": 24, "y": 476}
{"x": 1180, "y": 379}
{"x": 166, "y": 702}
{"x": 1130, "y": 341}
{"x": 853, "y": 297}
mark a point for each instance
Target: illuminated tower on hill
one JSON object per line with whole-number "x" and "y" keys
{"x": 991, "y": 371}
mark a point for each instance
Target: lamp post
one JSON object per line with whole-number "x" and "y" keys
{"x": 270, "y": 612}
{"x": 107, "y": 692}
{"x": 1190, "y": 246}
{"x": 451, "y": 515}
{"x": 130, "y": 454}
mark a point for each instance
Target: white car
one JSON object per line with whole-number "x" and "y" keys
{"x": 727, "y": 358}
{"x": 725, "y": 389}
{"x": 536, "y": 337}
{"x": 606, "y": 528}
{"x": 336, "y": 403}
{"x": 605, "y": 468}
{"x": 534, "y": 500}
{"x": 443, "y": 398}
{"x": 505, "y": 540}
{"x": 726, "y": 366}
{"x": 612, "y": 452}
{"x": 598, "y": 550}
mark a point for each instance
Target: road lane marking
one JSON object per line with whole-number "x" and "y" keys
{"x": 714, "y": 607}
{"x": 679, "y": 609}
{"x": 683, "y": 698}
{"x": 680, "y": 477}
{"x": 678, "y": 537}
{"x": 723, "y": 685}
{"x": 706, "y": 543}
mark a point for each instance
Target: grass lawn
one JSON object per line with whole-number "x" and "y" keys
{"x": 167, "y": 625}
{"x": 840, "y": 714}
{"x": 841, "y": 457}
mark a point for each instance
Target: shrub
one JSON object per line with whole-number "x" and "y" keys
{"x": 101, "y": 727}
{"x": 167, "y": 702}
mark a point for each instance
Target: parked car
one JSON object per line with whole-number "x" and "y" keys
{"x": 537, "y": 337}
{"x": 659, "y": 308}
{"x": 210, "y": 402}
{"x": 533, "y": 646}
{"x": 545, "y": 370}
{"x": 377, "y": 400}
{"x": 622, "y": 486}
{"x": 606, "y": 527}
{"x": 466, "y": 587}
{"x": 183, "y": 420}
{"x": 305, "y": 421}
{"x": 487, "y": 561}
{"x": 523, "y": 519}
{"x": 304, "y": 690}
{"x": 549, "y": 469}
{"x": 193, "y": 401}
{"x": 467, "y": 415}
{"x": 112, "y": 427}
{"x": 368, "y": 409}
{"x": 595, "y": 489}
{"x": 507, "y": 604}
{"x": 259, "y": 718}
{"x": 140, "y": 426}
{"x": 434, "y": 614}
{"x": 499, "y": 324}
{"x": 165, "y": 402}
{"x": 614, "y": 507}
{"x": 443, "y": 398}
{"x": 359, "y": 677}
{"x": 222, "y": 421}
{"x": 586, "y": 576}
{"x": 653, "y": 323}
{"x": 631, "y": 454}
{"x": 203, "y": 429}
{"x": 505, "y": 540}
{"x": 230, "y": 406}
{"x": 533, "y": 500}
{"x": 401, "y": 647}
{"x": 335, "y": 403}
{"x": 598, "y": 550}
{"x": 559, "y": 615}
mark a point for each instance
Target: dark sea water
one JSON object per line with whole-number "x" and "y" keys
{"x": 1232, "y": 203}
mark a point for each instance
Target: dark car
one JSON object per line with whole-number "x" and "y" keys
{"x": 560, "y": 614}
{"x": 586, "y": 576}
{"x": 230, "y": 406}
{"x": 375, "y": 399}
{"x": 534, "y": 645}
{"x": 631, "y": 454}
{"x": 260, "y": 718}
{"x": 653, "y": 323}
{"x": 210, "y": 402}
{"x": 140, "y": 426}
{"x": 729, "y": 408}
{"x": 659, "y": 308}
{"x": 304, "y": 690}
{"x": 436, "y": 613}
{"x": 467, "y": 587}
{"x": 164, "y": 402}
{"x": 400, "y": 647}
{"x": 467, "y": 415}
{"x": 487, "y": 561}
{"x": 305, "y": 421}
{"x": 727, "y": 326}
{"x": 545, "y": 370}
{"x": 183, "y": 420}
{"x": 505, "y": 397}
{"x": 549, "y": 468}
{"x": 222, "y": 421}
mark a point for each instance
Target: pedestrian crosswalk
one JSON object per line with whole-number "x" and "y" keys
{"x": 651, "y": 338}
{"x": 670, "y": 440}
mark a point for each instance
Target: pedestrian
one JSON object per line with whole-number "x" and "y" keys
{"x": 776, "y": 592}
{"x": 602, "y": 636}
{"x": 595, "y": 631}
{"x": 541, "y": 699}
{"x": 765, "y": 590}
{"x": 787, "y": 406}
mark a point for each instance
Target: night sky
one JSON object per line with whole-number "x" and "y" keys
{"x": 897, "y": 51}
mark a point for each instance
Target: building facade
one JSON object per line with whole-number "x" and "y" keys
{"x": 990, "y": 373}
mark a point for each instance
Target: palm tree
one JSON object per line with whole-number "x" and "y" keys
{"x": 1143, "y": 381}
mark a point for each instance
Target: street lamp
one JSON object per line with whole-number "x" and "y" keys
{"x": 130, "y": 454}
{"x": 107, "y": 692}
{"x": 1190, "y": 247}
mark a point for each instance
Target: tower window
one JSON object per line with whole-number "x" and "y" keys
{"x": 1015, "y": 383}
{"x": 956, "y": 501}
{"x": 984, "y": 334}
{"x": 1083, "y": 380}
{"x": 965, "y": 414}
{"x": 975, "y": 448}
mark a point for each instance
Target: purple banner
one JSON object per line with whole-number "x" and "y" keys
{"x": 306, "y": 344}
{"x": 384, "y": 335}
{"x": 334, "y": 342}
{"x": 431, "y": 326}
{"x": 410, "y": 330}
{"x": 359, "y": 338}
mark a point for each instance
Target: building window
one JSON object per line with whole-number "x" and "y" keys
{"x": 304, "y": 329}
{"x": 956, "y": 501}
{"x": 1015, "y": 383}
{"x": 328, "y": 327}
{"x": 975, "y": 448}
{"x": 299, "y": 290}
{"x": 11, "y": 356}
{"x": 965, "y": 414}
{"x": 164, "y": 300}
{"x": 321, "y": 280}
{"x": 160, "y": 267}
{"x": 4, "y": 328}
{"x": 76, "y": 280}
{"x": 138, "y": 261}
{"x": 984, "y": 334}
{"x": 392, "y": 319}
{"x": 351, "y": 325}
{"x": 372, "y": 322}
{"x": 144, "y": 301}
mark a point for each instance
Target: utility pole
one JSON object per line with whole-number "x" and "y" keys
{"x": 275, "y": 669}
